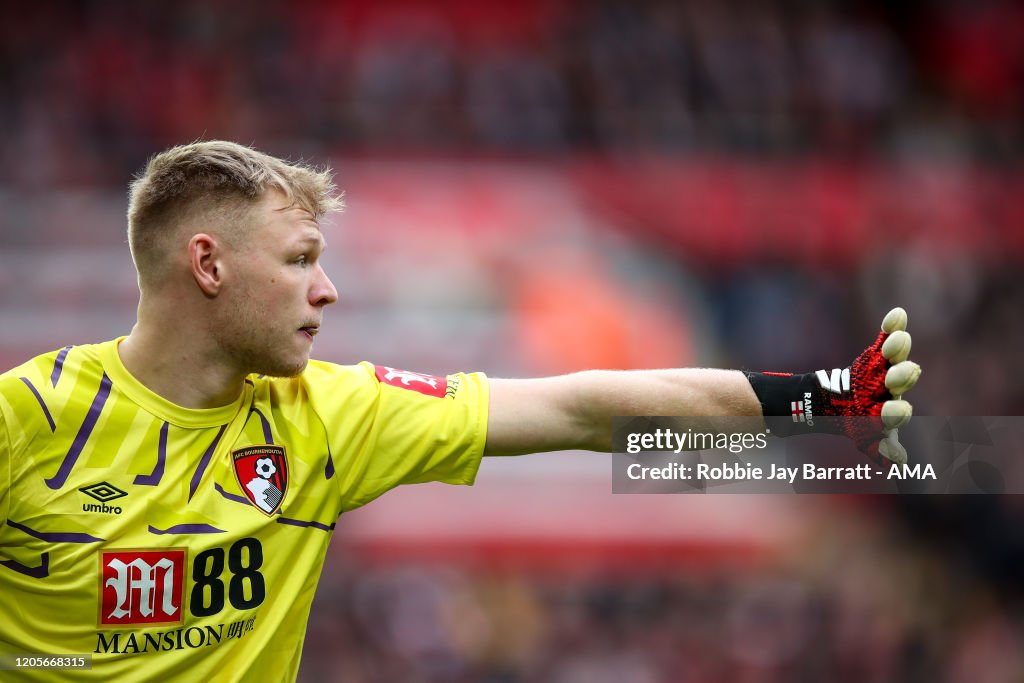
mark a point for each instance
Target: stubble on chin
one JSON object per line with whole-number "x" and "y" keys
{"x": 283, "y": 370}
{"x": 267, "y": 359}
{"x": 247, "y": 345}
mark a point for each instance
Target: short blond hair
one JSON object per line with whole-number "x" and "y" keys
{"x": 219, "y": 181}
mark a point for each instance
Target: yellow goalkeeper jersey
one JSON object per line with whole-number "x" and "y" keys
{"x": 176, "y": 544}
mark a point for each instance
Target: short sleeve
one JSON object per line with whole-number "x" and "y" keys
{"x": 386, "y": 427}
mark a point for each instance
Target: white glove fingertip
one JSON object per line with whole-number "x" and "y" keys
{"x": 902, "y": 377}
{"x": 896, "y": 319}
{"x": 896, "y": 347}
{"x": 891, "y": 448}
{"x": 896, "y": 414}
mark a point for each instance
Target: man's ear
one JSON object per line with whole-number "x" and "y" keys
{"x": 204, "y": 256}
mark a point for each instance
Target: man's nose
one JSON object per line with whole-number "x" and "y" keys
{"x": 323, "y": 291}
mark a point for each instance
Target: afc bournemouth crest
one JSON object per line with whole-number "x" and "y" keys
{"x": 262, "y": 472}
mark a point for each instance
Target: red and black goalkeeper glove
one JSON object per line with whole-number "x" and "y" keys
{"x": 862, "y": 401}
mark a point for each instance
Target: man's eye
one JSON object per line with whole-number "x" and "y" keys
{"x": 301, "y": 261}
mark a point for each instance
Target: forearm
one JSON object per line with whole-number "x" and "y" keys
{"x": 577, "y": 410}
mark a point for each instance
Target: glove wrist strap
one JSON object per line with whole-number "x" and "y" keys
{"x": 789, "y": 402}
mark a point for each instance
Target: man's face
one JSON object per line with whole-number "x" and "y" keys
{"x": 274, "y": 290}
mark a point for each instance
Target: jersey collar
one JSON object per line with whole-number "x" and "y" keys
{"x": 157, "y": 405}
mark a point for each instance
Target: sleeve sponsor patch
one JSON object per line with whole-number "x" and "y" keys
{"x": 428, "y": 385}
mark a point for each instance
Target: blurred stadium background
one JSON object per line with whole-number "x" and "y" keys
{"x": 538, "y": 187}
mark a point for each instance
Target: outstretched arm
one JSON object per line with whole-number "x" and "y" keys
{"x": 576, "y": 411}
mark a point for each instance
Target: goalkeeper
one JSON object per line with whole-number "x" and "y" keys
{"x": 167, "y": 497}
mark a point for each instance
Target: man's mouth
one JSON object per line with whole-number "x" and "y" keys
{"x": 310, "y": 330}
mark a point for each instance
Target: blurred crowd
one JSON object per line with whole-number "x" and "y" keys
{"x": 89, "y": 89}
{"x": 895, "y": 610}
{"x": 498, "y": 258}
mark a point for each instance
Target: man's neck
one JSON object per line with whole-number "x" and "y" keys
{"x": 172, "y": 365}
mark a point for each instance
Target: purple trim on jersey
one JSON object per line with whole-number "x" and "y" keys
{"x": 266, "y": 425}
{"x": 329, "y": 467}
{"x": 55, "y": 536}
{"x": 42, "y": 405}
{"x": 40, "y": 572}
{"x": 230, "y": 496}
{"x": 57, "y": 480}
{"x": 186, "y": 529}
{"x": 154, "y": 477}
{"x": 299, "y": 522}
{"x": 204, "y": 463}
{"x": 58, "y": 365}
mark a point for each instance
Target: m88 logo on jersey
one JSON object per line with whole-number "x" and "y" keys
{"x": 142, "y": 586}
{"x": 147, "y": 586}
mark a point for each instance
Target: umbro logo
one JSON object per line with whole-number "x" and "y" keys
{"x": 104, "y": 493}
